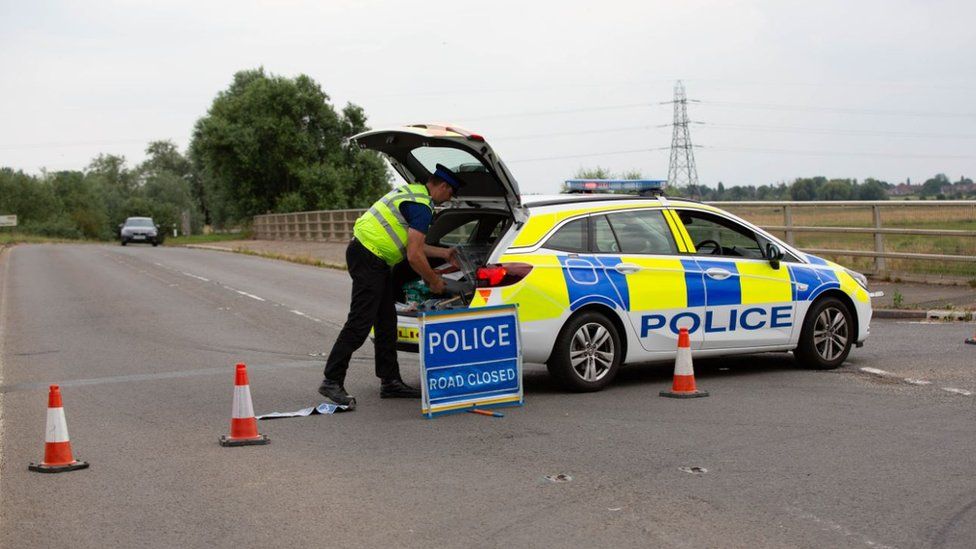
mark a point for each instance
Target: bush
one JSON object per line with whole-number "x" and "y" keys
{"x": 53, "y": 228}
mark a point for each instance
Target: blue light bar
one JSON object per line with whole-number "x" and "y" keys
{"x": 615, "y": 185}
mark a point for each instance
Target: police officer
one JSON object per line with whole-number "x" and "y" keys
{"x": 392, "y": 230}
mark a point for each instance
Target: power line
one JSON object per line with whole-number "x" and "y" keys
{"x": 839, "y": 110}
{"x": 835, "y": 131}
{"x": 753, "y": 150}
{"x": 839, "y": 153}
{"x": 587, "y": 155}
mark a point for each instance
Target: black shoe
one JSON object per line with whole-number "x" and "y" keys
{"x": 396, "y": 388}
{"x": 335, "y": 392}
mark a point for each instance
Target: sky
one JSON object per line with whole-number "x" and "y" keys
{"x": 781, "y": 89}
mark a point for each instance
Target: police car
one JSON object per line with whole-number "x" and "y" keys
{"x": 603, "y": 280}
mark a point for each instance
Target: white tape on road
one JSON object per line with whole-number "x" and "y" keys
{"x": 326, "y": 408}
{"x": 877, "y": 372}
{"x": 953, "y": 390}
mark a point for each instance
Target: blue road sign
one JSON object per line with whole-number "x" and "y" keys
{"x": 470, "y": 358}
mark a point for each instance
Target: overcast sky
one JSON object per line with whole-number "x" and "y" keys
{"x": 859, "y": 89}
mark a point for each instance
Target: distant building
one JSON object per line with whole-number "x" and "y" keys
{"x": 904, "y": 189}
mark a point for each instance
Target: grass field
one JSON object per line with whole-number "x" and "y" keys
{"x": 900, "y": 215}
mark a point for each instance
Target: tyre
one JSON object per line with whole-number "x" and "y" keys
{"x": 827, "y": 336}
{"x": 155, "y": 243}
{"x": 124, "y": 242}
{"x": 587, "y": 353}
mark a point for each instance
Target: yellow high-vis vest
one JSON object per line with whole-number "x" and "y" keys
{"x": 382, "y": 229}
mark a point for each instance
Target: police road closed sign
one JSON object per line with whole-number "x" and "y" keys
{"x": 8, "y": 220}
{"x": 470, "y": 359}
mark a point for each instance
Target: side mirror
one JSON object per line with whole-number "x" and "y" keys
{"x": 774, "y": 254}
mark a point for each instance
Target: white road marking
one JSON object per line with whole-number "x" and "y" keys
{"x": 831, "y": 526}
{"x": 953, "y": 390}
{"x": 299, "y": 313}
{"x": 157, "y": 264}
{"x": 877, "y": 372}
{"x": 914, "y": 381}
{"x": 196, "y": 277}
{"x": 252, "y": 296}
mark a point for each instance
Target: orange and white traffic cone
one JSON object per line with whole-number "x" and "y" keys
{"x": 683, "y": 385}
{"x": 243, "y": 425}
{"x": 57, "y": 447}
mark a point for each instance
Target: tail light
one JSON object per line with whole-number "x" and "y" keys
{"x": 504, "y": 274}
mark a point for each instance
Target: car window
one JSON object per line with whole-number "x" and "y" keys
{"x": 642, "y": 232}
{"x": 454, "y": 159}
{"x": 571, "y": 237}
{"x": 461, "y": 234}
{"x": 139, "y": 223}
{"x": 604, "y": 240}
{"x": 716, "y": 235}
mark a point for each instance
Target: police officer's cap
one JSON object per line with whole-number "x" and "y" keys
{"x": 441, "y": 172}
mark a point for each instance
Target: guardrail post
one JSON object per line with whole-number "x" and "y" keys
{"x": 880, "y": 268}
{"x": 788, "y": 222}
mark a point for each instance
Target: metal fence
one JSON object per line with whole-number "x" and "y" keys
{"x": 336, "y": 226}
{"x": 965, "y": 214}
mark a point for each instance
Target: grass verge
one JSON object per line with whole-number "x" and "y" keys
{"x": 205, "y": 238}
{"x": 300, "y": 259}
{"x": 22, "y": 238}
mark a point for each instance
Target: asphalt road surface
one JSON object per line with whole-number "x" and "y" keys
{"x": 144, "y": 340}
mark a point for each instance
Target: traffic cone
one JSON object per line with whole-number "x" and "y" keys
{"x": 683, "y": 385}
{"x": 57, "y": 447}
{"x": 972, "y": 340}
{"x": 243, "y": 425}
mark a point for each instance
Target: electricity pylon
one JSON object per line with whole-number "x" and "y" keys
{"x": 681, "y": 170}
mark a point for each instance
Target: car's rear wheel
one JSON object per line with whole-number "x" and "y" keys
{"x": 587, "y": 353}
{"x": 827, "y": 336}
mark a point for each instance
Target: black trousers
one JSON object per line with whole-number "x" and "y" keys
{"x": 372, "y": 306}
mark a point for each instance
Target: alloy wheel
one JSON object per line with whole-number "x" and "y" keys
{"x": 591, "y": 352}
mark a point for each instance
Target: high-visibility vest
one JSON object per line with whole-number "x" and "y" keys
{"x": 382, "y": 229}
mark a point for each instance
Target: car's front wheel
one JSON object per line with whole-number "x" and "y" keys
{"x": 587, "y": 353}
{"x": 827, "y": 336}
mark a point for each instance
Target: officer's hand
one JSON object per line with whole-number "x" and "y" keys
{"x": 437, "y": 286}
{"x": 452, "y": 257}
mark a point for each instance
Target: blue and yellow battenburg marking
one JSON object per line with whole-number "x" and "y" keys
{"x": 754, "y": 296}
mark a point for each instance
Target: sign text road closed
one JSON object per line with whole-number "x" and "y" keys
{"x": 470, "y": 358}
{"x": 8, "y": 220}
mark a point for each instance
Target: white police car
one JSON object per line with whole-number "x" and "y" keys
{"x": 605, "y": 280}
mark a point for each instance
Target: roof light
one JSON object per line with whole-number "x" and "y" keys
{"x": 637, "y": 186}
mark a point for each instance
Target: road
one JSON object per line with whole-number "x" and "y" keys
{"x": 143, "y": 342}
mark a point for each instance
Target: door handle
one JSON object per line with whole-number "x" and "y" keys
{"x": 718, "y": 273}
{"x": 626, "y": 268}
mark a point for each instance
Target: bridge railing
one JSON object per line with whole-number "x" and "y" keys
{"x": 911, "y": 236}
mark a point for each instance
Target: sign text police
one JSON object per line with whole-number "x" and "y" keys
{"x": 748, "y": 318}
{"x": 470, "y": 358}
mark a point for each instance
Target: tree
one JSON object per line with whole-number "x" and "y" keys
{"x": 835, "y": 189}
{"x": 803, "y": 189}
{"x": 593, "y": 173}
{"x": 933, "y": 186}
{"x": 872, "y": 189}
{"x": 268, "y": 139}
